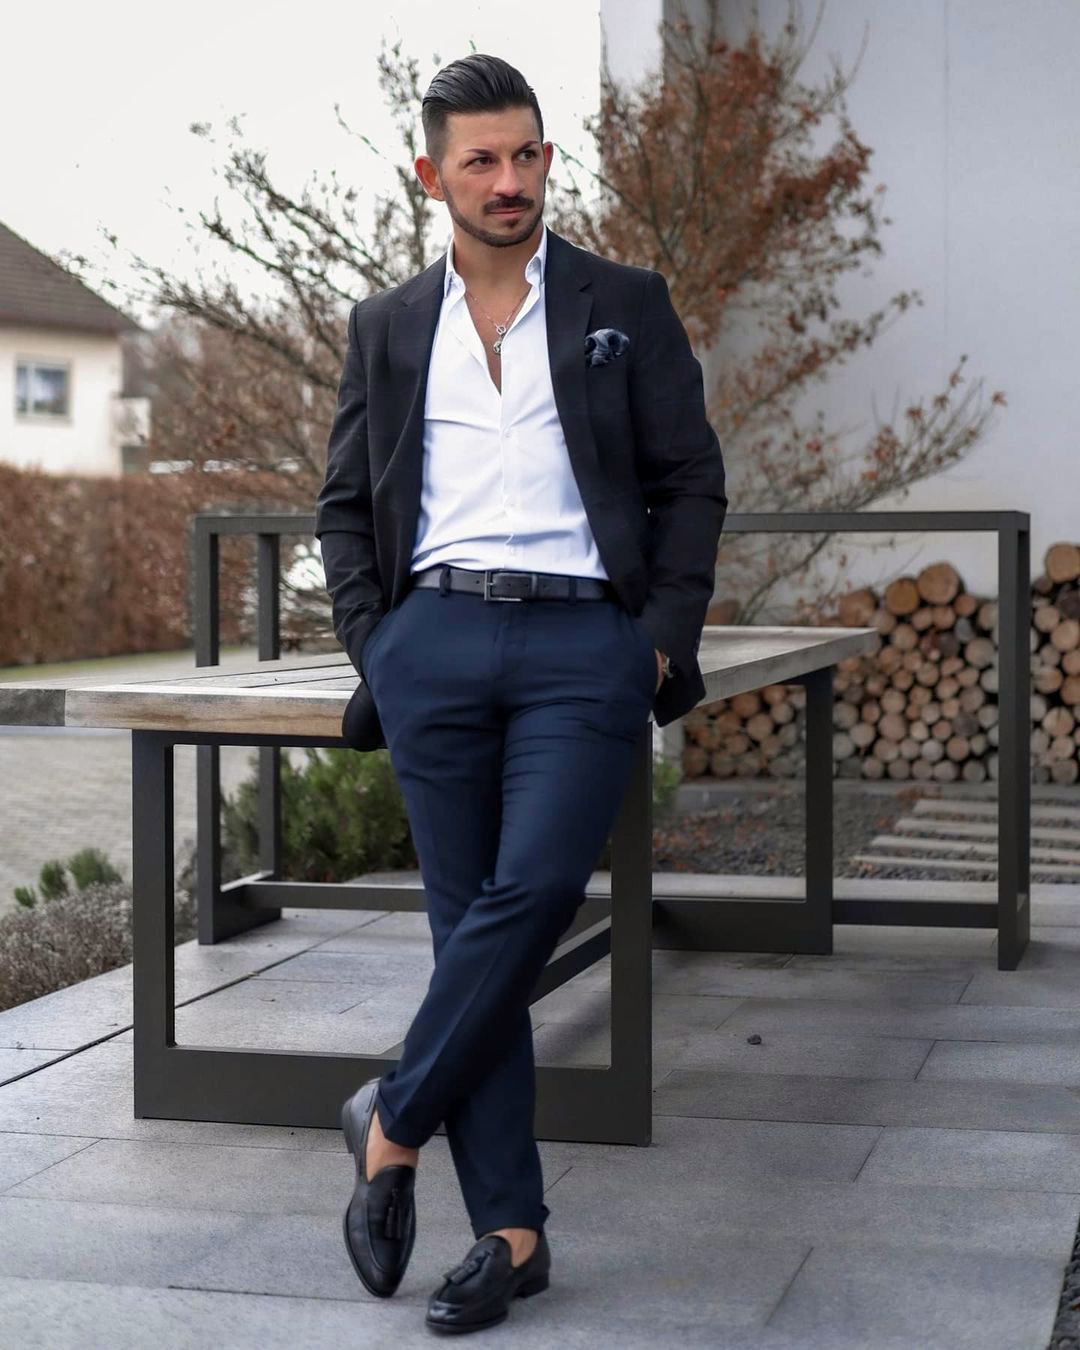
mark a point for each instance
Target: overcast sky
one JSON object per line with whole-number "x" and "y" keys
{"x": 97, "y": 100}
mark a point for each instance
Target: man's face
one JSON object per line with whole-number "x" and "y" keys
{"x": 492, "y": 175}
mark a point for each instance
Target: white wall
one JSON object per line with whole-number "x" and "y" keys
{"x": 972, "y": 109}
{"x": 629, "y": 37}
{"x": 85, "y": 442}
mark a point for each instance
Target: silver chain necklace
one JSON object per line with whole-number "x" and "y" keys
{"x": 500, "y": 328}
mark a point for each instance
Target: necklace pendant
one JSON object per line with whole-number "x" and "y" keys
{"x": 500, "y": 328}
{"x": 496, "y": 346}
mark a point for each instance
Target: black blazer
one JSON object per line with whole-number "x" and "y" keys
{"x": 646, "y": 461}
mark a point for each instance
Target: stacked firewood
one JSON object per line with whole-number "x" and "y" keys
{"x": 922, "y": 704}
{"x": 1055, "y": 669}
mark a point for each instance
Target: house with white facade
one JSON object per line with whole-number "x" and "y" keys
{"x": 64, "y": 407}
{"x": 971, "y": 109}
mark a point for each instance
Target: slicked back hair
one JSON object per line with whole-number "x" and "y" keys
{"x": 475, "y": 83}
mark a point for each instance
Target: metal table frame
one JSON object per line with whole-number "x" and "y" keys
{"x": 596, "y": 1104}
{"x": 713, "y": 924}
{"x": 590, "y": 1103}
{"x": 1011, "y": 914}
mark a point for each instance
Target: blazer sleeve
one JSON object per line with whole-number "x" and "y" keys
{"x": 680, "y": 468}
{"x": 344, "y": 523}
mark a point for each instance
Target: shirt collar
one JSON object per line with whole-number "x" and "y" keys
{"x": 534, "y": 268}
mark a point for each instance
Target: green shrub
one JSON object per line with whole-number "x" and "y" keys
{"x": 88, "y": 867}
{"x": 342, "y": 813}
{"x": 666, "y": 777}
{"x": 53, "y": 880}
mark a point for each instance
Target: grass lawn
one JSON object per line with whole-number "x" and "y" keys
{"x": 154, "y": 663}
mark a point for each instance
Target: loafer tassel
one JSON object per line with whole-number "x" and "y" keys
{"x": 396, "y": 1214}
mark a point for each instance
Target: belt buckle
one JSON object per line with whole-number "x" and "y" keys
{"x": 493, "y": 571}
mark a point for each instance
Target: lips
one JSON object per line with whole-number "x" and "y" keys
{"x": 509, "y": 211}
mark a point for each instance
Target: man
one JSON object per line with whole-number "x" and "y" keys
{"x": 522, "y": 421}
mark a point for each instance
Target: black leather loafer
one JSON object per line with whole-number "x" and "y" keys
{"x": 380, "y": 1220}
{"x": 478, "y": 1291}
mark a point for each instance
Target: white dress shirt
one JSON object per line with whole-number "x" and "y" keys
{"x": 498, "y": 489}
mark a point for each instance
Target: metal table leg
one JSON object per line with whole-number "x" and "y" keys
{"x": 773, "y": 923}
{"x": 153, "y": 975}
{"x": 187, "y": 1082}
{"x": 818, "y": 923}
{"x": 1014, "y": 748}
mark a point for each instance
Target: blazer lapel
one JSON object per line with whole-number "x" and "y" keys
{"x": 568, "y": 306}
{"x": 410, "y": 339}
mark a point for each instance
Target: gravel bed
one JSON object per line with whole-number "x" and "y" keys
{"x": 765, "y": 832}
{"x": 760, "y": 828}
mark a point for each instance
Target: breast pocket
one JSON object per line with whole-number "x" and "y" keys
{"x": 605, "y": 386}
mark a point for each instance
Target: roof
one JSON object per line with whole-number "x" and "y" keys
{"x": 35, "y": 290}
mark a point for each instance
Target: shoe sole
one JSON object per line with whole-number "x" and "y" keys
{"x": 530, "y": 1287}
{"x": 357, "y": 1151}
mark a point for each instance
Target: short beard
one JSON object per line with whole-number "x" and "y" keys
{"x": 487, "y": 236}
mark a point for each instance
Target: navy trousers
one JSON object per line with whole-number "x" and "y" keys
{"x": 510, "y": 728}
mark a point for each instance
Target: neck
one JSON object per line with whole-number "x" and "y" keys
{"x": 487, "y": 268}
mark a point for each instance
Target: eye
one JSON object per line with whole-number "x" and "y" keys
{"x": 477, "y": 159}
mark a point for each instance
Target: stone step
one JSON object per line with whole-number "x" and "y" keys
{"x": 974, "y": 829}
{"x": 1046, "y": 855}
{"x": 945, "y": 864}
{"x": 967, "y": 865}
{"x": 929, "y": 806}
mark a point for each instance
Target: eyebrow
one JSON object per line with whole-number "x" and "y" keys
{"x": 483, "y": 150}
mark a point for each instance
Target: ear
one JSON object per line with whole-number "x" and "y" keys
{"x": 428, "y": 173}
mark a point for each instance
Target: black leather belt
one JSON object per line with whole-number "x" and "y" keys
{"x": 498, "y": 583}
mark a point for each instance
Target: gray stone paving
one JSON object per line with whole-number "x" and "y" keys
{"x": 67, "y": 788}
{"x": 897, "y": 1164}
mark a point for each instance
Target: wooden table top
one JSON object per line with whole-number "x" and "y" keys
{"x": 306, "y": 695}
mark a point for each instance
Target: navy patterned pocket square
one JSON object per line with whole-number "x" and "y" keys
{"x": 604, "y": 345}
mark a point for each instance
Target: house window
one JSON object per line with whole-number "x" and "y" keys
{"x": 132, "y": 457}
{"x": 41, "y": 388}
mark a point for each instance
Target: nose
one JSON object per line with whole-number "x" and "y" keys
{"x": 508, "y": 182}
